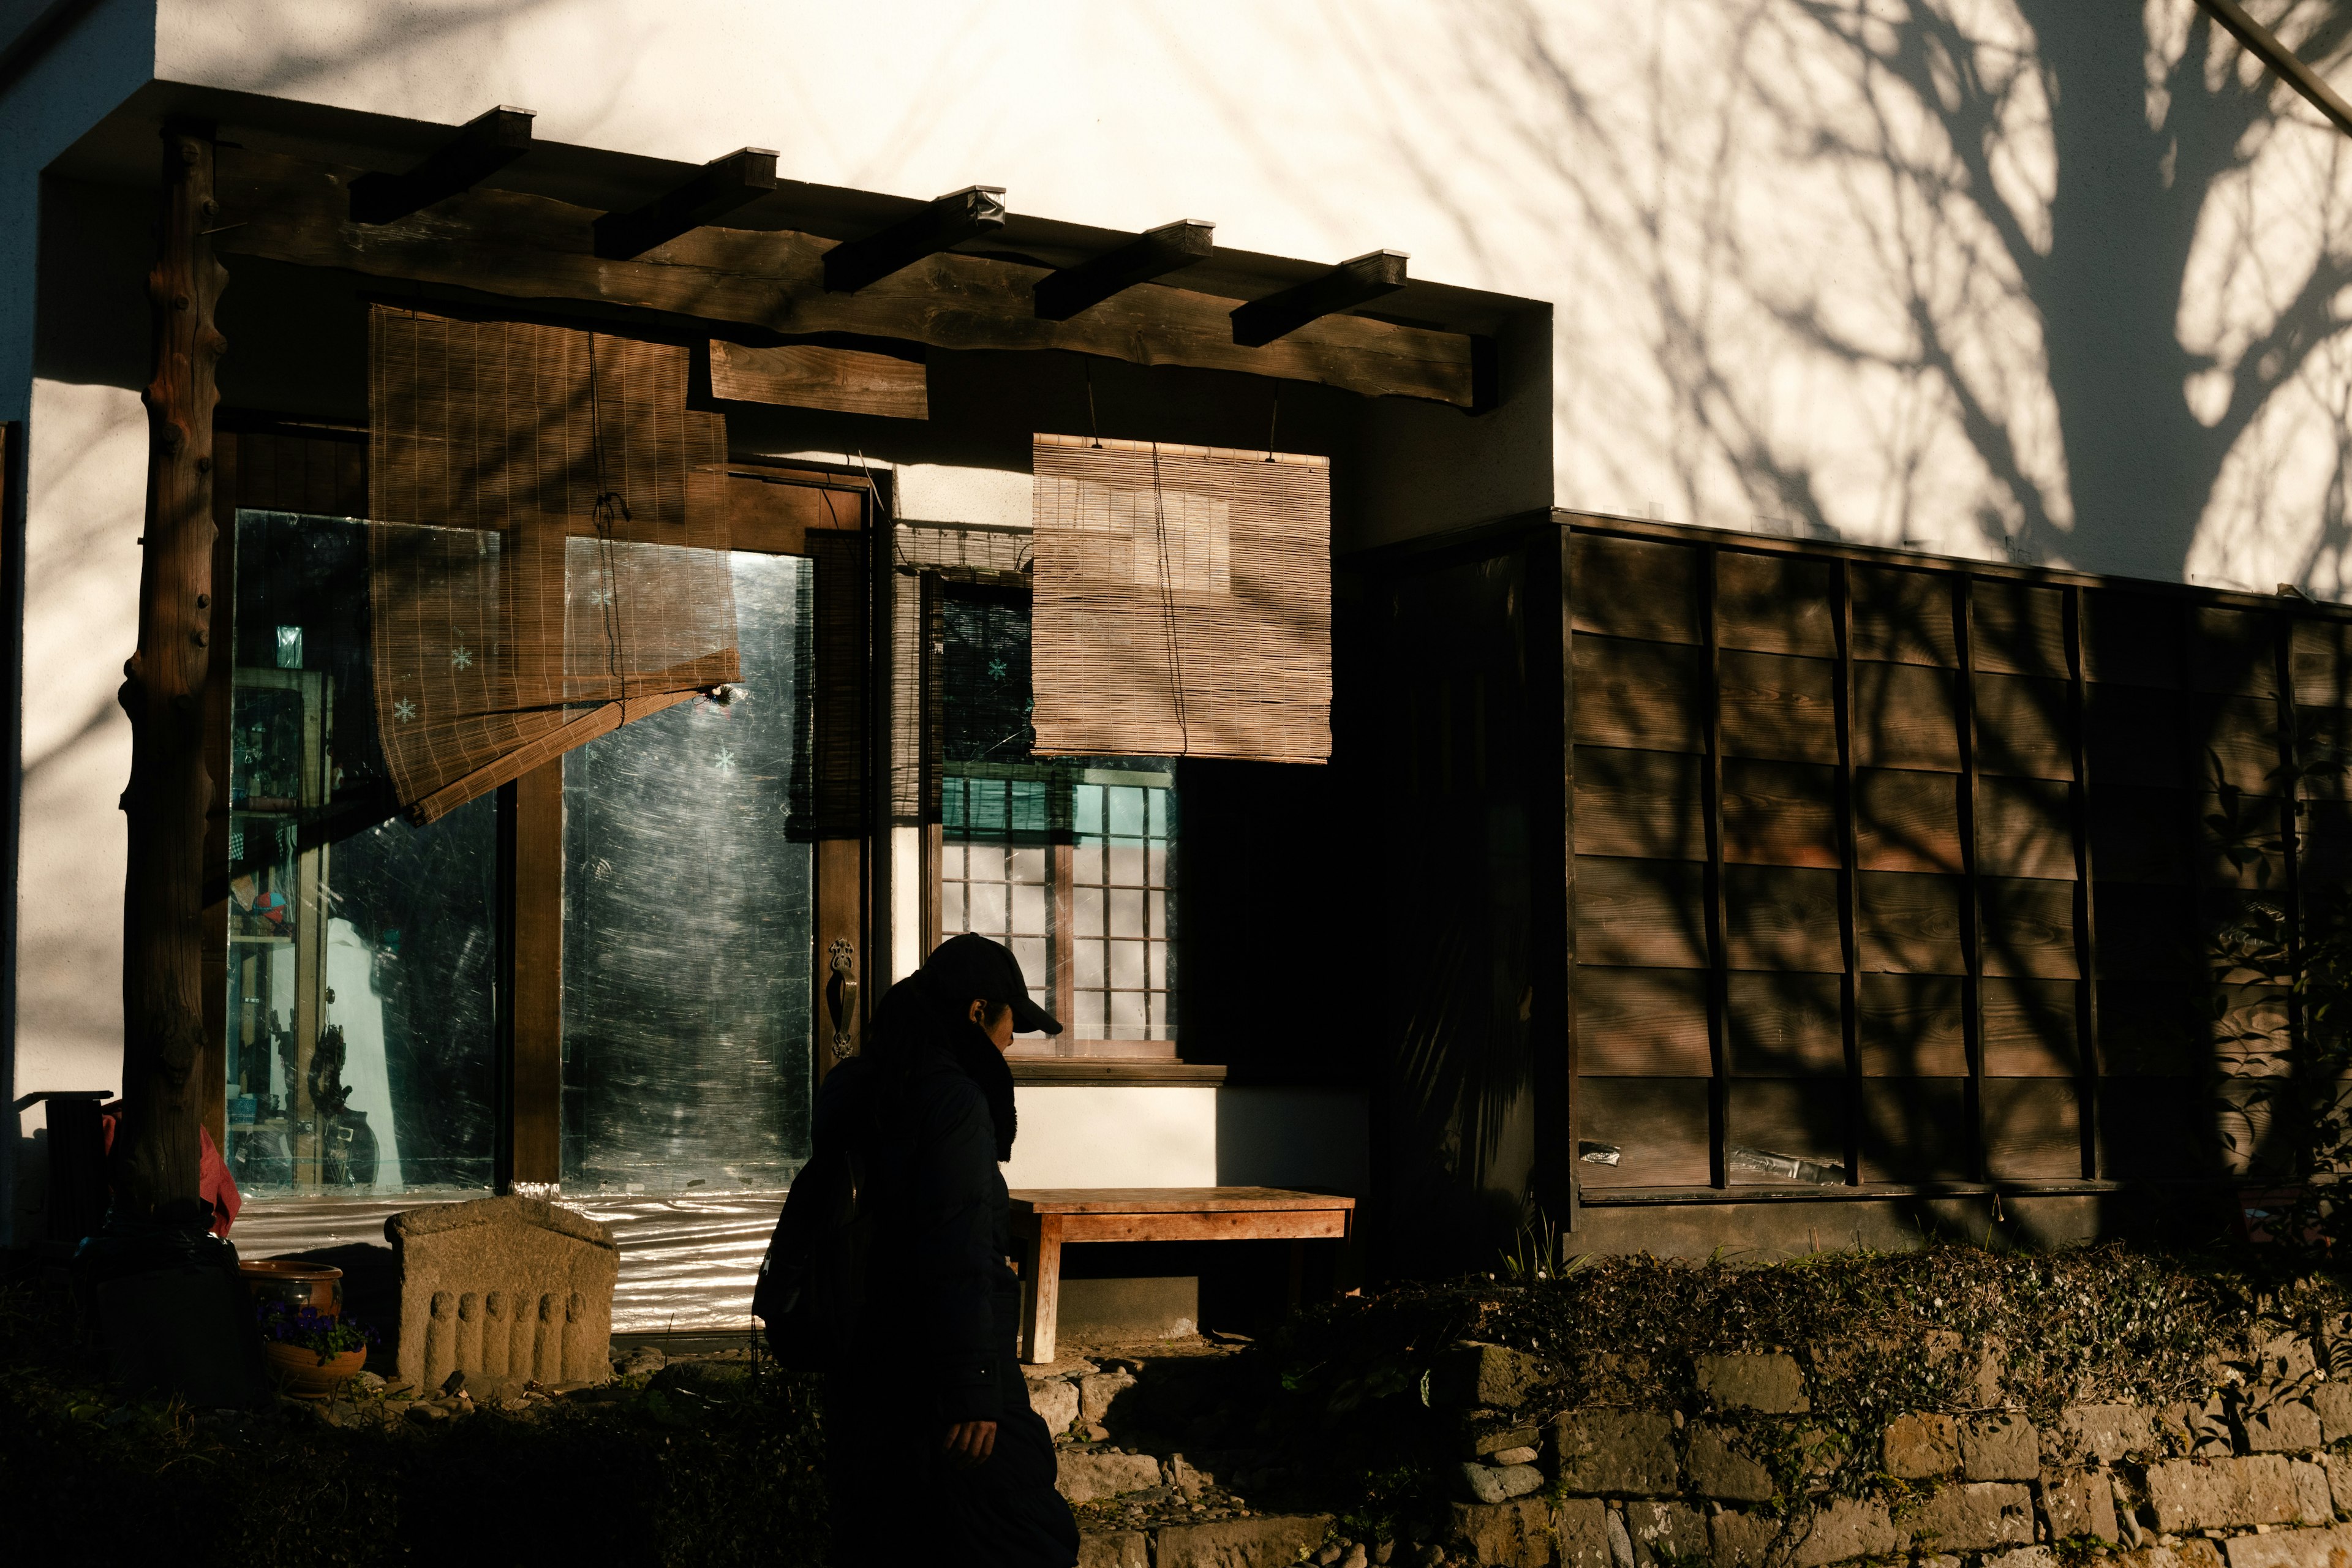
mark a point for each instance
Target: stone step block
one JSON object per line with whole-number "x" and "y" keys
{"x": 1522, "y": 1534}
{"x": 2078, "y": 1502}
{"x": 1973, "y": 1515}
{"x": 1500, "y": 1483}
{"x": 1844, "y": 1529}
{"x": 1495, "y": 1376}
{"x": 1055, "y": 1401}
{"x": 2291, "y": 1427}
{"x": 2000, "y": 1448}
{"x": 1721, "y": 1469}
{"x": 1615, "y": 1453}
{"x": 2326, "y": 1548}
{"x": 2105, "y": 1432}
{"x": 1921, "y": 1447}
{"x": 1769, "y": 1382}
{"x": 1664, "y": 1532}
{"x": 1113, "y": 1549}
{"x": 1273, "y": 1540}
{"x": 1083, "y": 1477}
{"x": 2221, "y": 1494}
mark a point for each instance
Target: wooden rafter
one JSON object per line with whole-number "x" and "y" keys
{"x": 522, "y": 246}
{"x": 171, "y": 789}
{"x": 718, "y": 188}
{"x": 950, "y": 220}
{"x": 1351, "y": 283}
{"x": 1155, "y": 253}
{"x": 476, "y": 151}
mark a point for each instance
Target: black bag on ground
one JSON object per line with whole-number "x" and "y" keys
{"x": 811, "y": 1286}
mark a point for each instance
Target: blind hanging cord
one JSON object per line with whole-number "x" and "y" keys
{"x": 1274, "y": 422}
{"x": 1093, "y": 429}
{"x": 608, "y": 502}
{"x": 1168, "y": 604}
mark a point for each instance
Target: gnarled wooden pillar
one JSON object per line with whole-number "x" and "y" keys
{"x": 156, "y": 1148}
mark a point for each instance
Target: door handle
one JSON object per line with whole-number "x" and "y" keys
{"x": 841, "y": 996}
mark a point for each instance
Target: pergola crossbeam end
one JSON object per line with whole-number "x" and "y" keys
{"x": 718, "y": 188}
{"x": 1155, "y": 253}
{"x": 1351, "y": 283}
{"x": 939, "y": 224}
{"x": 478, "y": 149}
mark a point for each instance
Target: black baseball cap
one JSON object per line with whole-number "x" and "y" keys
{"x": 970, "y": 965}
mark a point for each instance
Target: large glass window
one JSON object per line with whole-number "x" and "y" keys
{"x": 689, "y": 922}
{"x": 362, "y": 984}
{"x": 1067, "y": 860}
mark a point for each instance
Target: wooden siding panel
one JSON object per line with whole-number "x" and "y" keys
{"x": 1635, "y": 1022}
{"x": 1779, "y": 814}
{"x": 2134, "y": 735}
{"x": 2025, "y": 828}
{"x": 1640, "y": 914}
{"x": 2023, "y": 727}
{"x": 2232, "y": 651}
{"x": 1913, "y": 925}
{"x": 2146, "y": 929}
{"x": 2029, "y": 1029}
{"x": 1904, "y": 617}
{"x": 1907, "y": 821}
{"x": 2032, "y": 1129}
{"x": 2132, "y": 638}
{"x": 2319, "y": 659}
{"x": 1911, "y": 1027}
{"x": 1660, "y": 1125}
{"x": 1784, "y": 1024}
{"x": 1915, "y": 1130}
{"x": 2029, "y": 927}
{"x": 1906, "y": 716}
{"x": 1778, "y": 918}
{"x": 1778, "y": 707}
{"x": 1636, "y": 588}
{"x": 1775, "y": 604}
{"x": 1645, "y": 696}
{"x": 2021, "y": 629}
{"x": 2141, "y": 835}
{"x": 1800, "y": 1119}
{"x": 1643, "y": 805}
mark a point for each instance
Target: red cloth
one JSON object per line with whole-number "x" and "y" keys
{"x": 215, "y": 1184}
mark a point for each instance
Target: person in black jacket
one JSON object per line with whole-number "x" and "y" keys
{"x": 934, "y": 1395}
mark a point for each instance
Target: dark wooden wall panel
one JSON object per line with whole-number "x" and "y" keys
{"x": 1636, "y": 588}
{"x": 1634, "y": 1022}
{"x": 1832, "y": 851}
{"x": 1781, "y": 918}
{"x": 1784, "y": 1118}
{"x": 1641, "y": 695}
{"x": 1640, "y": 914}
{"x": 1906, "y": 716}
{"x": 1645, "y": 805}
{"x": 1914, "y": 925}
{"x": 2029, "y": 927}
{"x": 1779, "y": 814}
{"x": 1775, "y": 604}
{"x": 1915, "y": 1130}
{"x": 1907, "y": 821}
{"x": 1660, "y": 1124}
{"x": 1905, "y": 617}
{"x": 2032, "y": 1129}
{"x": 1779, "y": 707}
{"x": 1784, "y": 1024}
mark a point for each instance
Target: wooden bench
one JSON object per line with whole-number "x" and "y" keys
{"x": 1045, "y": 1218}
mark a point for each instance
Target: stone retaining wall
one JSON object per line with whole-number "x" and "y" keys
{"x": 1752, "y": 1467}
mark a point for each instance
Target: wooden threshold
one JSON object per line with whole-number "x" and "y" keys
{"x": 1126, "y": 1072}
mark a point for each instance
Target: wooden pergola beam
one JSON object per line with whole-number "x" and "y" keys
{"x": 478, "y": 149}
{"x": 171, "y": 790}
{"x": 716, "y": 189}
{"x": 2264, "y": 46}
{"x": 530, "y": 247}
{"x": 1155, "y": 253}
{"x": 1346, "y": 286}
{"x": 943, "y": 223}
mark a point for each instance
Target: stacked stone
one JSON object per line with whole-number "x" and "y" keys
{"x": 1736, "y": 1482}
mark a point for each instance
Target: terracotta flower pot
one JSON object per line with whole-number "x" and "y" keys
{"x": 297, "y": 1284}
{"x": 300, "y": 1372}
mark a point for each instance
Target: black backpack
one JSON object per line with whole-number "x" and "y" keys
{"x": 811, "y": 1288}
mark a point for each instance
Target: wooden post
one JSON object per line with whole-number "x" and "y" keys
{"x": 156, "y": 1147}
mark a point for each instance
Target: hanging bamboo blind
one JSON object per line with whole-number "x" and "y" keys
{"x": 547, "y": 545}
{"x": 1183, "y": 602}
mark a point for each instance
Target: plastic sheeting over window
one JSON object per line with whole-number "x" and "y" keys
{"x": 688, "y": 925}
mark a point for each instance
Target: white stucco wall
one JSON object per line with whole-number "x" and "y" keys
{"x": 1173, "y": 1135}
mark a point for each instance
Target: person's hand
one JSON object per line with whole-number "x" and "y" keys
{"x": 970, "y": 1442}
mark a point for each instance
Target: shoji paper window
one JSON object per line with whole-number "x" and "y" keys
{"x": 1183, "y": 602}
{"x": 547, "y": 545}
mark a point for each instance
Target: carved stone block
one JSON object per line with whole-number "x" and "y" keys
{"x": 503, "y": 1290}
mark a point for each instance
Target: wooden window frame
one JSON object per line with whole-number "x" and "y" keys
{"x": 528, "y": 1070}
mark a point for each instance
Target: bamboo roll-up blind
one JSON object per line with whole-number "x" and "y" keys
{"x": 1183, "y": 602}
{"x": 547, "y": 545}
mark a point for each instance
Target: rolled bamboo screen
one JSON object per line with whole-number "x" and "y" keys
{"x": 1183, "y": 602}
{"x": 547, "y": 545}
